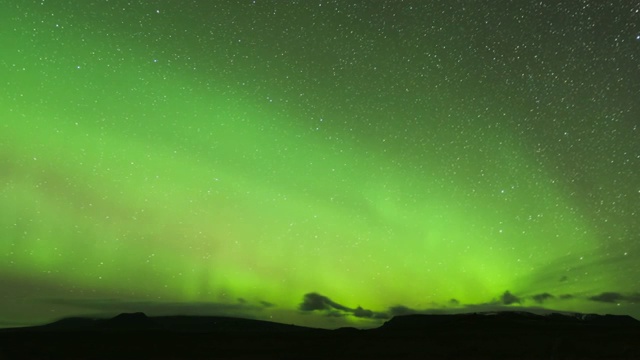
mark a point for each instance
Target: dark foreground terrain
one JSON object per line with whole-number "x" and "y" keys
{"x": 505, "y": 335}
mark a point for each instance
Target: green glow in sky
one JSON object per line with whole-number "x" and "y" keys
{"x": 232, "y": 157}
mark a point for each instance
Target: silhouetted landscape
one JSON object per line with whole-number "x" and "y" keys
{"x": 406, "y": 173}
{"x": 507, "y": 335}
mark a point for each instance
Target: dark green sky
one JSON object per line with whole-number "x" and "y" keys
{"x": 318, "y": 162}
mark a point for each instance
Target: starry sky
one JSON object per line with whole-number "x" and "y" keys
{"x": 323, "y": 163}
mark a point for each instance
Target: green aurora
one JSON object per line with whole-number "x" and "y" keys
{"x": 230, "y": 157}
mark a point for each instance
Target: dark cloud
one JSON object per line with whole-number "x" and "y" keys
{"x": 508, "y": 298}
{"x": 505, "y": 302}
{"x": 267, "y": 304}
{"x": 380, "y": 315}
{"x": 540, "y": 298}
{"x": 317, "y": 302}
{"x": 493, "y": 306}
{"x": 615, "y": 297}
{"x": 400, "y": 310}
{"x": 453, "y": 306}
{"x": 362, "y": 313}
{"x": 608, "y": 297}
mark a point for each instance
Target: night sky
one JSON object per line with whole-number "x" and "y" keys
{"x": 323, "y": 163}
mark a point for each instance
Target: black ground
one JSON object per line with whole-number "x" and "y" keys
{"x": 508, "y": 335}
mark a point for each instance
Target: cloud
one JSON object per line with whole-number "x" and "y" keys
{"x": 493, "y": 306}
{"x": 362, "y": 313}
{"x": 508, "y": 298}
{"x": 267, "y": 304}
{"x": 454, "y": 306}
{"x": 615, "y": 297}
{"x": 633, "y": 297}
{"x": 607, "y": 297}
{"x": 505, "y": 302}
{"x": 400, "y": 310}
{"x": 540, "y": 298}
{"x": 380, "y": 315}
{"x": 316, "y": 302}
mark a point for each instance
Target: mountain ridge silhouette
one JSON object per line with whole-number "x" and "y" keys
{"x": 471, "y": 335}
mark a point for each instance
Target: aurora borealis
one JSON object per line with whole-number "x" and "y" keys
{"x": 323, "y": 163}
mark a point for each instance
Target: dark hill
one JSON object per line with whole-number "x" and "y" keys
{"x": 514, "y": 335}
{"x": 226, "y": 325}
{"x": 129, "y": 321}
{"x": 69, "y": 323}
{"x": 520, "y": 319}
{"x": 141, "y": 322}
